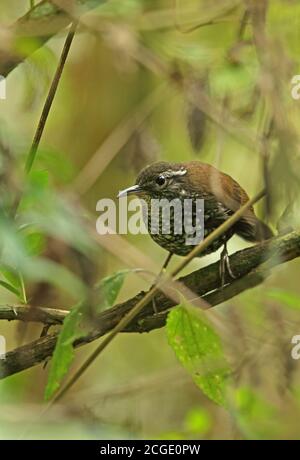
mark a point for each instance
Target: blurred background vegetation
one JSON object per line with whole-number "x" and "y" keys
{"x": 130, "y": 94}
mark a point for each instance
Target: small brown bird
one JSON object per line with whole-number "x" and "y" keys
{"x": 222, "y": 196}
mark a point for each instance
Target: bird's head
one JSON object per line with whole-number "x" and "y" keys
{"x": 159, "y": 180}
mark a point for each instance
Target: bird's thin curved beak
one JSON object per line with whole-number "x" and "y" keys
{"x": 129, "y": 191}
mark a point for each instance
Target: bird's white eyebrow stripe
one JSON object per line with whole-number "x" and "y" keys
{"x": 172, "y": 173}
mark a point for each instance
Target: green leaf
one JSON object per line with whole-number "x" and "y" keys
{"x": 64, "y": 352}
{"x": 199, "y": 349}
{"x": 23, "y": 294}
{"x": 290, "y": 299}
{"x": 10, "y": 288}
{"x": 35, "y": 243}
{"x": 110, "y": 287}
{"x": 11, "y": 276}
{"x": 14, "y": 282}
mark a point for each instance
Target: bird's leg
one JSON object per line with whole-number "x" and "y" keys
{"x": 225, "y": 264}
{"x": 162, "y": 270}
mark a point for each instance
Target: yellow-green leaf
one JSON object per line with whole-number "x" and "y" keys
{"x": 64, "y": 352}
{"x": 199, "y": 349}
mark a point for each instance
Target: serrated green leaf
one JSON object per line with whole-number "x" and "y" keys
{"x": 64, "y": 352}
{"x": 199, "y": 349}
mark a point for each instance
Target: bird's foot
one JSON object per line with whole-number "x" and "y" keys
{"x": 225, "y": 265}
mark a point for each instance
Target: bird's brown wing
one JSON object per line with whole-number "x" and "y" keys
{"x": 231, "y": 196}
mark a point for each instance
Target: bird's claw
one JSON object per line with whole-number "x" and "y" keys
{"x": 225, "y": 265}
{"x": 154, "y": 306}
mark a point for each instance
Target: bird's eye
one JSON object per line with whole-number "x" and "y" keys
{"x": 160, "y": 181}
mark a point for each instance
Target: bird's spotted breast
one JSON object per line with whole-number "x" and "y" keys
{"x": 177, "y": 243}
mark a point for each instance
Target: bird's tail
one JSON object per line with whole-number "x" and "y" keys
{"x": 263, "y": 231}
{"x": 252, "y": 229}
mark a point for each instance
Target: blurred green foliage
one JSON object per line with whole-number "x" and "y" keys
{"x": 49, "y": 256}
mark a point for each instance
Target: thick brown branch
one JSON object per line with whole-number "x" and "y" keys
{"x": 250, "y": 265}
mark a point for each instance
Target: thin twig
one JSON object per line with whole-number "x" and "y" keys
{"x": 50, "y": 98}
{"x": 47, "y": 316}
